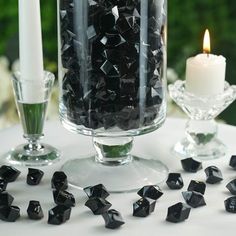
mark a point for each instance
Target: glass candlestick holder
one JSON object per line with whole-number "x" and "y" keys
{"x": 32, "y": 99}
{"x": 201, "y": 129}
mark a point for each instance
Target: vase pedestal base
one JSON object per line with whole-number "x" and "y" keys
{"x": 130, "y": 176}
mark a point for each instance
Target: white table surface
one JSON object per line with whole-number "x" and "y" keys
{"x": 209, "y": 220}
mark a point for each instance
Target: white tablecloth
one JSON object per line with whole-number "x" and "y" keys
{"x": 209, "y": 220}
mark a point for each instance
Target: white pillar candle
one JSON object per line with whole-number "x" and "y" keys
{"x": 31, "y": 52}
{"x": 205, "y": 73}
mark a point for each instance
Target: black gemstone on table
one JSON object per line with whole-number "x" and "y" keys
{"x": 6, "y": 199}
{"x": 194, "y": 199}
{"x": 59, "y": 215}
{"x": 231, "y": 186}
{"x": 191, "y": 165}
{"x": 96, "y": 191}
{"x": 178, "y": 213}
{"x": 64, "y": 198}
{"x": 113, "y": 219}
{"x": 144, "y": 207}
{"x": 9, "y": 173}
{"x": 9, "y": 213}
{"x": 150, "y": 191}
{"x": 197, "y": 186}
{"x": 35, "y": 211}
{"x": 232, "y": 162}
{"x": 230, "y": 204}
{"x": 59, "y": 181}
{"x": 213, "y": 175}
{"x": 34, "y": 176}
{"x": 3, "y": 185}
{"x": 175, "y": 181}
{"x": 98, "y": 205}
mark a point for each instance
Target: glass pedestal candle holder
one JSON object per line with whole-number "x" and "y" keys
{"x": 112, "y": 65}
{"x": 201, "y": 130}
{"x": 32, "y": 99}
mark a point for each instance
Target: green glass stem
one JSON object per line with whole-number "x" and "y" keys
{"x": 32, "y": 117}
{"x": 201, "y": 132}
{"x": 113, "y": 151}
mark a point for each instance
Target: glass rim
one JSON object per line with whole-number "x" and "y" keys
{"x": 47, "y": 77}
{"x": 179, "y": 88}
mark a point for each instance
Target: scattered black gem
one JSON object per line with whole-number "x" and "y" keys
{"x": 59, "y": 215}
{"x": 34, "y": 176}
{"x": 9, "y": 213}
{"x": 6, "y": 199}
{"x": 35, "y": 211}
{"x": 232, "y": 162}
{"x": 230, "y": 204}
{"x": 197, "y": 186}
{"x": 178, "y": 213}
{"x": 97, "y": 191}
{"x": 144, "y": 207}
{"x": 98, "y": 205}
{"x": 194, "y": 199}
{"x": 9, "y": 173}
{"x": 150, "y": 191}
{"x": 231, "y": 186}
{"x": 3, "y": 185}
{"x": 59, "y": 181}
{"x": 113, "y": 219}
{"x": 64, "y": 198}
{"x": 213, "y": 175}
{"x": 191, "y": 165}
{"x": 175, "y": 181}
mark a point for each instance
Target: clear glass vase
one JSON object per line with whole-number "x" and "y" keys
{"x": 112, "y": 66}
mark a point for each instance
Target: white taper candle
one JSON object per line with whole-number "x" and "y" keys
{"x": 31, "y": 51}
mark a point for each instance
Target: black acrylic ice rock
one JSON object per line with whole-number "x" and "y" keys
{"x": 150, "y": 191}
{"x": 197, "y": 186}
{"x": 175, "y": 181}
{"x": 178, "y": 213}
{"x": 6, "y": 199}
{"x": 3, "y": 185}
{"x": 191, "y": 165}
{"x": 230, "y": 204}
{"x": 9, "y": 173}
{"x": 9, "y": 213}
{"x": 59, "y": 181}
{"x": 194, "y": 199}
{"x": 113, "y": 38}
{"x": 58, "y": 215}
{"x": 34, "y": 210}
{"x": 97, "y": 191}
{"x": 232, "y": 162}
{"x": 113, "y": 219}
{"x": 64, "y": 198}
{"x": 144, "y": 207}
{"x": 34, "y": 176}
{"x": 231, "y": 186}
{"x": 213, "y": 175}
{"x": 98, "y": 205}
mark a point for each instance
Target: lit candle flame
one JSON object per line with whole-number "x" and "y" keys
{"x": 207, "y": 42}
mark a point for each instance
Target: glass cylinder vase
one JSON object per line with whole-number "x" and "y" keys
{"x": 112, "y": 65}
